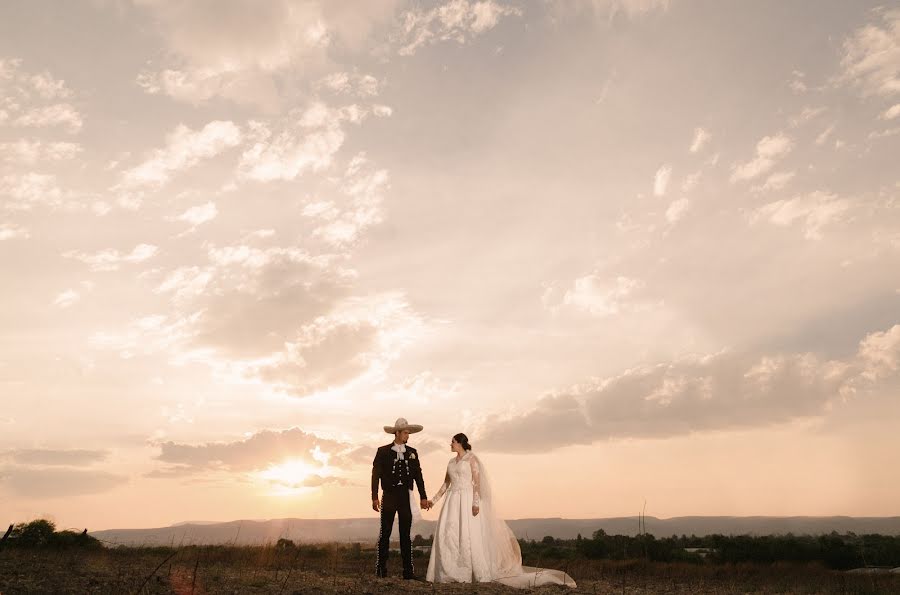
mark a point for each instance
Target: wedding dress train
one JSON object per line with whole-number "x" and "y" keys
{"x": 478, "y": 548}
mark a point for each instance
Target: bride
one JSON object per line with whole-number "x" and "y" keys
{"x": 471, "y": 543}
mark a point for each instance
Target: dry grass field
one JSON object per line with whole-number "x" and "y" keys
{"x": 343, "y": 569}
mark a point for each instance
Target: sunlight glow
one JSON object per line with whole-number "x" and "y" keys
{"x": 290, "y": 477}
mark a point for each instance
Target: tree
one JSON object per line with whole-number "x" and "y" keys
{"x": 34, "y": 534}
{"x": 284, "y": 544}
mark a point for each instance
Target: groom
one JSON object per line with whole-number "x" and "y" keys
{"x": 397, "y": 466}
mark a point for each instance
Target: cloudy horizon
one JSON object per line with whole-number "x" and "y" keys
{"x": 641, "y": 246}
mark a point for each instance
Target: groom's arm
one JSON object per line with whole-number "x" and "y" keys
{"x": 419, "y": 481}
{"x": 376, "y": 475}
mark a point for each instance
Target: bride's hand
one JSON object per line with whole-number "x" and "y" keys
{"x": 475, "y": 510}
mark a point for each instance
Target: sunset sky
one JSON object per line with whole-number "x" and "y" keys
{"x": 637, "y": 250}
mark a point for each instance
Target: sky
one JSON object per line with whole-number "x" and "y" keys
{"x": 644, "y": 253}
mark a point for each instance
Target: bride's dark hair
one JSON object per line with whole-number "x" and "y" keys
{"x": 463, "y": 441}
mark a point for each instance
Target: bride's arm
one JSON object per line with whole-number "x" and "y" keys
{"x": 443, "y": 489}
{"x": 476, "y": 482}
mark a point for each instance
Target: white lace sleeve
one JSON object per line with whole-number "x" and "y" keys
{"x": 476, "y": 481}
{"x": 443, "y": 489}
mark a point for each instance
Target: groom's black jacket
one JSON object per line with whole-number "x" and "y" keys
{"x": 389, "y": 471}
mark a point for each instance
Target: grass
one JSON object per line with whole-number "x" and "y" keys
{"x": 350, "y": 569}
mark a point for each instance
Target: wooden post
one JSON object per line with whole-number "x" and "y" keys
{"x": 8, "y": 531}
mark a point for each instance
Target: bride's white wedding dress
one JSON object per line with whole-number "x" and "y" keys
{"x": 478, "y": 548}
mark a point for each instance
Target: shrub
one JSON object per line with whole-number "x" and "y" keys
{"x": 37, "y": 533}
{"x": 74, "y": 539}
{"x": 284, "y": 544}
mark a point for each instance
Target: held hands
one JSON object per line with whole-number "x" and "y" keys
{"x": 426, "y": 504}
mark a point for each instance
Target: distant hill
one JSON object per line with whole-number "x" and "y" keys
{"x": 249, "y": 532}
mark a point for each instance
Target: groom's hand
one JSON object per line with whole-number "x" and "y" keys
{"x": 424, "y": 504}
{"x": 376, "y": 505}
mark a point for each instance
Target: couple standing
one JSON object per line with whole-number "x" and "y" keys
{"x": 471, "y": 543}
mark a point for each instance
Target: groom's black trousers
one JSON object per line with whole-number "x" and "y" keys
{"x": 395, "y": 502}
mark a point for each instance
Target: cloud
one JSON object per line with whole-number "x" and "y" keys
{"x": 195, "y": 86}
{"x": 66, "y": 298}
{"x": 73, "y": 458}
{"x": 185, "y": 283}
{"x": 42, "y": 84}
{"x": 880, "y": 354}
{"x": 278, "y": 315}
{"x": 701, "y": 137}
{"x": 254, "y": 453}
{"x": 661, "y": 180}
{"x": 111, "y": 260}
{"x": 360, "y": 336}
{"x": 148, "y": 334}
{"x": 345, "y": 83}
{"x": 598, "y": 295}
{"x": 677, "y": 210}
{"x": 776, "y": 181}
{"x": 9, "y": 231}
{"x": 805, "y": 115}
{"x": 184, "y": 149}
{"x": 329, "y": 353}
{"x": 30, "y": 152}
{"x": 308, "y": 142}
{"x": 696, "y": 394}
{"x": 230, "y": 49}
{"x": 48, "y": 87}
{"x": 60, "y": 114}
{"x": 768, "y": 150}
{"x": 200, "y": 214}
{"x": 382, "y": 111}
{"x": 364, "y": 189}
{"x": 256, "y": 300}
{"x": 46, "y": 483}
{"x": 797, "y": 83}
{"x": 27, "y": 191}
{"x": 813, "y": 211}
{"x": 456, "y": 20}
{"x": 22, "y": 94}
{"x": 892, "y": 112}
{"x": 820, "y": 140}
{"x": 871, "y": 59}
{"x": 886, "y": 133}
{"x": 243, "y": 36}
{"x": 610, "y": 9}
{"x": 249, "y": 52}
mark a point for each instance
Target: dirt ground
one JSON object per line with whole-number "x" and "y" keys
{"x": 263, "y": 570}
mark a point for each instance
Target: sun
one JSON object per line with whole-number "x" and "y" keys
{"x": 289, "y": 477}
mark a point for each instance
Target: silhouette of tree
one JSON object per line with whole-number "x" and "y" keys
{"x": 37, "y": 533}
{"x": 284, "y": 544}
